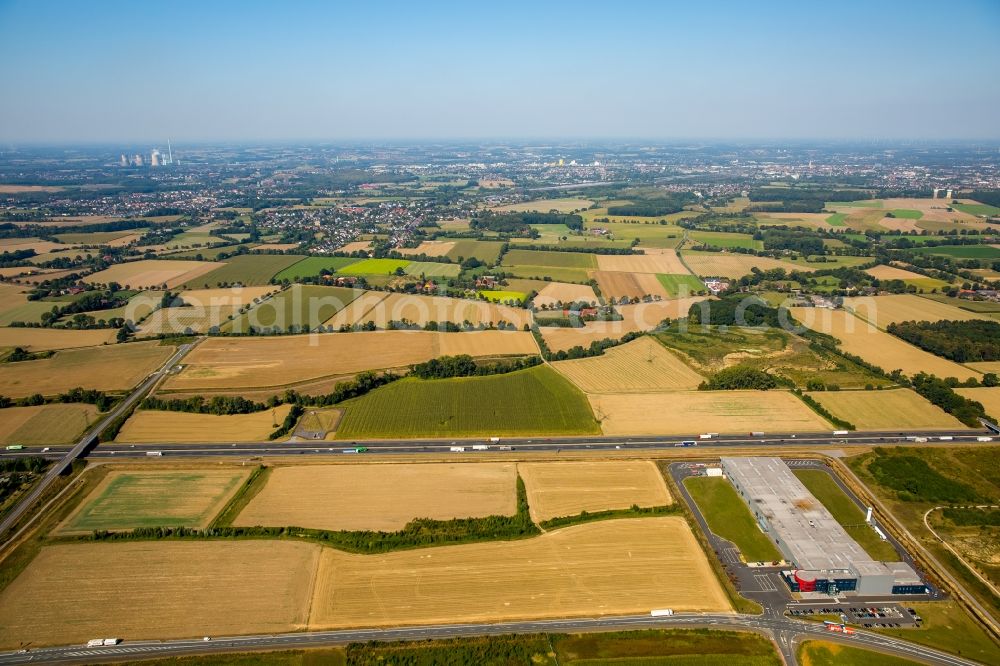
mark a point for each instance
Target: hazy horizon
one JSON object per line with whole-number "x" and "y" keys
{"x": 117, "y": 72}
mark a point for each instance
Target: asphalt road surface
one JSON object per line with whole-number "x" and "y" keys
{"x": 787, "y": 633}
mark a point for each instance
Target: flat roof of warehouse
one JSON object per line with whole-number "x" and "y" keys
{"x": 808, "y": 531}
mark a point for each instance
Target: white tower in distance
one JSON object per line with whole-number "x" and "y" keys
{"x": 154, "y": 158}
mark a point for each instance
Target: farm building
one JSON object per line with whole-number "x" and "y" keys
{"x": 825, "y": 557}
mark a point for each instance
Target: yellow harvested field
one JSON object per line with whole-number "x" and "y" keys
{"x": 44, "y": 339}
{"x": 569, "y": 488}
{"x": 203, "y": 309}
{"x": 429, "y": 248}
{"x": 13, "y": 189}
{"x": 41, "y": 275}
{"x": 38, "y": 245}
{"x": 110, "y": 368}
{"x": 45, "y": 424}
{"x": 555, "y": 292}
{"x": 15, "y": 271}
{"x": 935, "y": 210}
{"x": 665, "y": 261}
{"x": 356, "y": 246}
{"x": 891, "y": 309}
{"x": 886, "y": 410}
{"x": 687, "y": 412}
{"x": 151, "y": 426}
{"x": 605, "y": 568}
{"x": 279, "y": 247}
{"x": 157, "y": 590}
{"x": 12, "y": 296}
{"x": 814, "y": 220}
{"x": 424, "y": 309}
{"x": 122, "y": 241}
{"x": 356, "y": 309}
{"x": 863, "y": 339}
{"x": 731, "y": 265}
{"x": 884, "y": 272}
{"x": 230, "y": 363}
{"x": 616, "y": 284}
{"x": 186, "y": 320}
{"x": 985, "y": 366}
{"x": 906, "y": 225}
{"x": 547, "y": 205}
{"x": 642, "y": 365}
{"x": 647, "y": 316}
{"x": 486, "y": 343}
{"x": 151, "y": 274}
{"x": 381, "y": 497}
{"x": 988, "y": 396}
{"x": 226, "y": 296}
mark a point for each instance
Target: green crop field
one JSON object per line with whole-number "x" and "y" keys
{"x": 249, "y": 270}
{"x": 300, "y": 306}
{"x": 961, "y": 251}
{"x": 311, "y": 267}
{"x": 376, "y": 267}
{"x": 97, "y": 237}
{"x": 485, "y": 251}
{"x": 824, "y": 653}
{"x": 536, "y": 401}
{"x": 847, "y": 513}
{"x": 680, "y": 647}
{"x": 541, "y": 272}
{"x": 977, "y": 209}
{"x": 675, "y": 283}
{"x": 726, "y": 239}
{"x": 550, "y": 259}
{"x": 728, "y": 517}
{"x": 433, "y": 269}
{"x": 649, "y": 235}
{"x": 906, "y": 214}
{"x": 502, "y": 296}
{"x": 837, "y": 220}
{"x": 127, "y": 500}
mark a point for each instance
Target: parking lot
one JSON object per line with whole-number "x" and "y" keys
{"x": 866, "y": 616}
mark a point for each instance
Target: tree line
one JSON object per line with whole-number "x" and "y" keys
{"x": 960, "y": 341}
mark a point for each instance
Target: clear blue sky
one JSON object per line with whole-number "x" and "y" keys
{"x": 145, "y": 70}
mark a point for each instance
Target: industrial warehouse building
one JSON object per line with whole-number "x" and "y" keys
{"x": 825, "y": 557}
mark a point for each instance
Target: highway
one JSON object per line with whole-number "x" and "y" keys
{"x": 419, "y": 446}
{"x": 786, "y": 632}
{"x": 75, "y": 451}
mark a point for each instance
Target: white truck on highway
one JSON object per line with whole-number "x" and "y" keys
{"x": 102, "y": 642}
{"x": 662, "y": 612}
{"x": 841, "y": 432}
{"x": 480, "y": 447}
{"x": 457, "y": 449}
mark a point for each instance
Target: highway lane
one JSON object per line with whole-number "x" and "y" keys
{"x": 787, "y": 632}
{"x": 77, "y": 449}
{"x": 416, "y": 446}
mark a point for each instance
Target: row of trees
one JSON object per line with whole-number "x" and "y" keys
{"x": 465, "y": 366}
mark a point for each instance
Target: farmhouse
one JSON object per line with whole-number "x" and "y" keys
{"x": 826, "y": 558}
